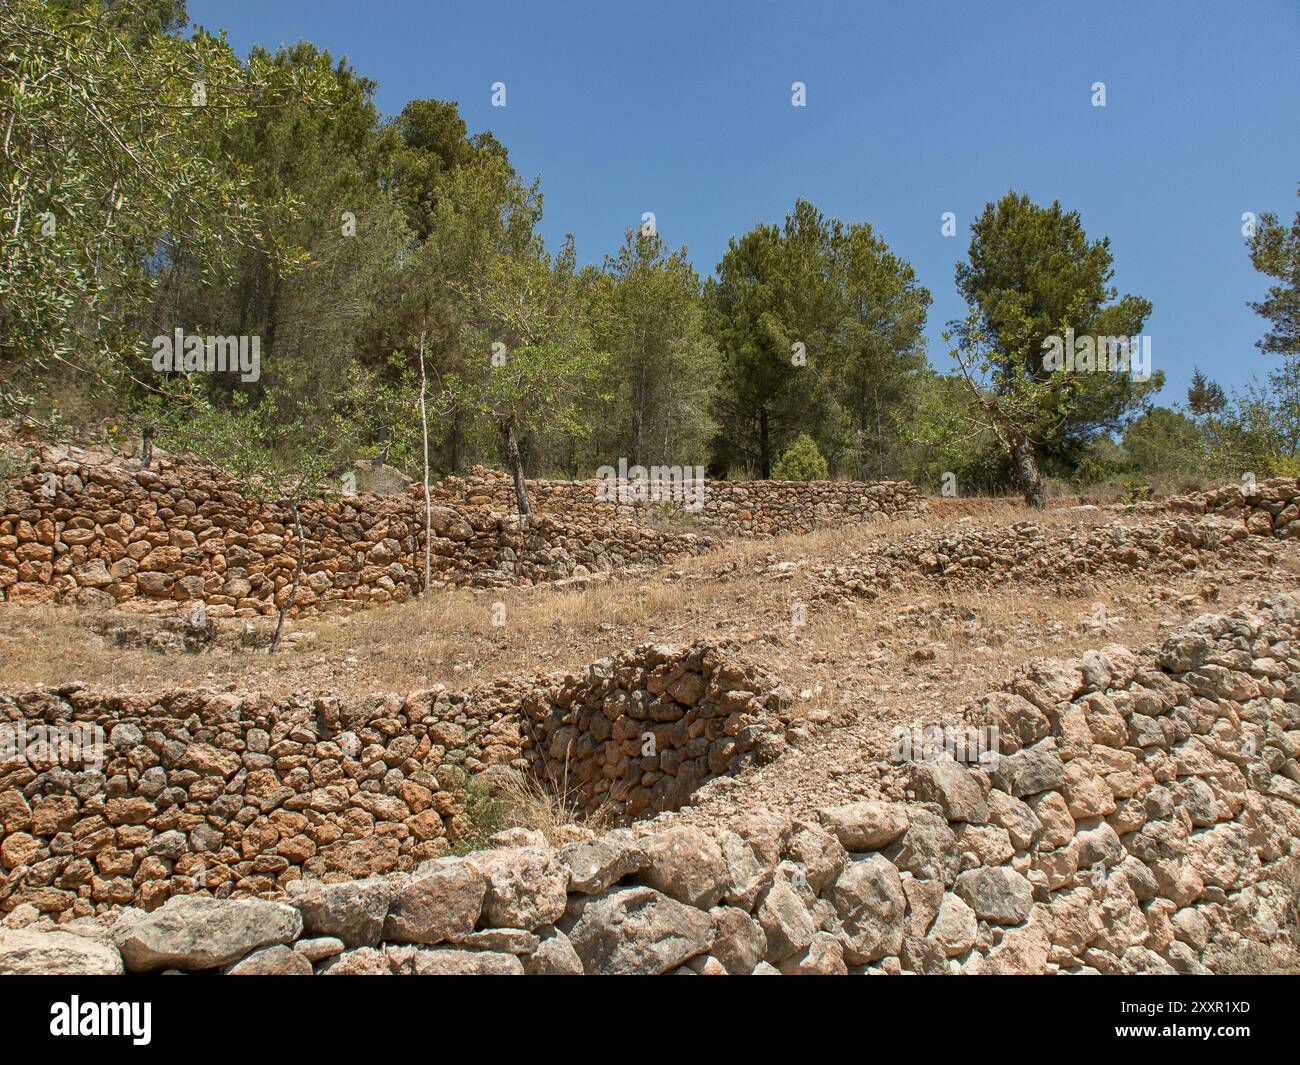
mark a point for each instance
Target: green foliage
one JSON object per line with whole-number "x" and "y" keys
{"x": 530, "y": 304}
{"x": 945, "y": 434}
{"x": 1102, "y": 461}
{"x": 801, "y": 462}
{"x": 880, "y": 351}
{"x": 1287, "y": 466}
{"x": 1163, "y": 441}
{"x": 1135, "y": 490}
{"x": 268, "y": 197}
{"x": 649, "y": 319}
{"x": 819, "y": 324}
{"x": 668, "y": 517}
{"x": 1204, "y": 397}
{"x": 1032, "y": 274}
{"x": 486, "y": 810}
{"x": 1255, "y": 430}
{"x": 1275, "y": 252}
{"x": 274, "y": 451}
{"x": 480, "y": 218}
{"x": 108, "y": 156}
{"x": 313, "y": 173}
{"x": 1220, "y": 438}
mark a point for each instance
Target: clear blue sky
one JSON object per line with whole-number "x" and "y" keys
{"x": 914, "y": 108}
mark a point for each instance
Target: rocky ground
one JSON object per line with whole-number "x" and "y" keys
{"x": 1140, "y": 817}
{"x": 868, "y": 627}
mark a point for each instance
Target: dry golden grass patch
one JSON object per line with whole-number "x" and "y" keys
{"x": 551, "y": 808}
{"x": 731, "y": 592}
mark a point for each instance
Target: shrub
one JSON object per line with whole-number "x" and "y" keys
{"x": 801, "y": 462}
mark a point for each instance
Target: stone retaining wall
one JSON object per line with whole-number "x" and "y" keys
{"x": 1139, "y": 818}
{"x": 236, "y": 794}
{"x": 993, "y": 556}
{"x": 729, "y": 508}
{"x": 107, "y": 534}
{"x": 641, "y": 732}
{"x": 1202, "y": 533}
{"x": 1272, "y": 509}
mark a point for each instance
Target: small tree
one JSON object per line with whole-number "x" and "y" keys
{"x": 949, "y": 439}
{"x": 529, "y": 352}
{"x": 274, "y": 458}
{"x": 1020, "y": 409}
{"x": 1275, "y": 252}
{"x": 801, "y": 462}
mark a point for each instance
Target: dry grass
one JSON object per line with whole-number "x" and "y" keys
{"x": 515, "y": 799}
{"x": 552, "y": 810}
{"x": 448, "y": 638}
{"x": 874, "y": 657}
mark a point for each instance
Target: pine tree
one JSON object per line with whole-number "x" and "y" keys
{"x": 1032, "y": 274}
{"x": 1275, "y": 252}
{"x": 801, "y": 462}
{"x": 1204, "y": 396}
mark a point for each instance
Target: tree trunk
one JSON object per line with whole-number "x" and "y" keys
{"x": 880, "y": 442}
{"x": 638, "y": 418}
{"x": 864, "y": 434}
{"x": 428, "y": 504}
{"x": 272, "y": 323}
{"x": 668, "y": 415}
{"x": 510, "y": 447}
{"x": 764, "y": 447}
{"x": 146, "y": 447}
{"x": 453, "y": 444}
{"x": 1031, "y": 481}
{"x": 297, "y": 576}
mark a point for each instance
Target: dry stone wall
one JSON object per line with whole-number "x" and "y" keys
{"x": 233, "y": 794}
{"x": 106, "y": 534}
{"x": 642, "y": 732}
{"x": 1272, "y": 508}
{"x": 728, "y": 508}
{"x": 1203, "y": 532}
{"x": 177, "y": 535}
{"x": 1137, "y": 819}
{"x": 991, "y": 556}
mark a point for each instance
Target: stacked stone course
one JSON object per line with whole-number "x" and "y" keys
{"x": 1028, "y": 553}
{"x": 642, "y": 732}
{"x": 1271, "y": 509}
{"x": 1196, "y": 533}
{"x": 107, "y": 534}
{"x": 238, "y": 794}
{"x": 729, "y": 508}
{"x": 1138, "y": 820}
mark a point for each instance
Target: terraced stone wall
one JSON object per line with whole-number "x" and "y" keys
{"x": 726, "y": 508}
{"x": 107, "y": 534}
{"x": 1143, "y": 816}
{"x": 177, "y": 535}
{"x": 1268, "y": 508}
{"x": 642, "y": 732}
{"x": 234, "y": 794}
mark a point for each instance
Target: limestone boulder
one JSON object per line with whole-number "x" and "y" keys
{"x": 38, "y": 951}
{"x": 194, "y": 932}
{"x": 635, "y": 931}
